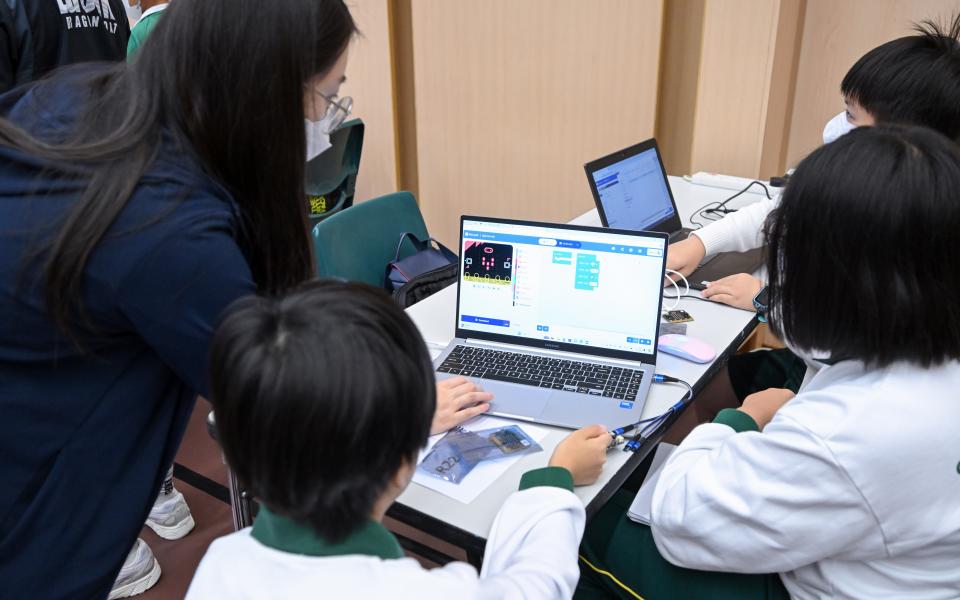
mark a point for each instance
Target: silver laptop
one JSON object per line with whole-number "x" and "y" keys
{"x": 559, "y": 322}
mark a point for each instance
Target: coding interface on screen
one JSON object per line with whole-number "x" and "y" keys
{"x": 634, "y": 192}
{"x": 588, "y": 288}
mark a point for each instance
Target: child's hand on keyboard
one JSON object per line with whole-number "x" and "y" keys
{"x": 458, "y": 400}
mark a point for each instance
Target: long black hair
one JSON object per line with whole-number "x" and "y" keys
{"x": 862, "y": 255}
{"x": 317, "y": 435}
{"x": 226, "y": 79}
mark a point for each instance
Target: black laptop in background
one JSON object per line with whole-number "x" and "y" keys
{"x": 632, "y": 192}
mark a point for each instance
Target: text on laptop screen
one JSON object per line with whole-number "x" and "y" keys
{"x": 634, "y": 192}
{"x": 590, "y": 288}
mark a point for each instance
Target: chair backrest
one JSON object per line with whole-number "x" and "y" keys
{"x": 358, "y": 243}
{"x": 331, "y": 177}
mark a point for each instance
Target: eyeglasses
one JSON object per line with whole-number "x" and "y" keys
{"x": 338, "y": 109}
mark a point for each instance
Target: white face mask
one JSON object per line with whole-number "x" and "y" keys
{"x": 836, "y": 127}
{"x": 318, "y": 140}
{"x": 133, "y": 12}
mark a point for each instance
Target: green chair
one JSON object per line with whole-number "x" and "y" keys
{"x": 331, "y": 178}
{"x": 358, "y": 243}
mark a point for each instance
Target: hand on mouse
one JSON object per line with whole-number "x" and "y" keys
{"x": 737, "y": 290}
{"x": 458, "y": 400}
{"x": 761, "y": 406}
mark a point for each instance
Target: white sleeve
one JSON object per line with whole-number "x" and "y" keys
{"x": 739, "y": 231}
{"x": 533, "y": 544}
{"x": 757, "y": 502}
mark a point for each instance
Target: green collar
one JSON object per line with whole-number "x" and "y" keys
{"x": 280, "y": 533}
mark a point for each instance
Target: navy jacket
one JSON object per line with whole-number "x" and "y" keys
{"x": 85, "y": 437}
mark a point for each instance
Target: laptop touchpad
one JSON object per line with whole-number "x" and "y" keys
{"x": 513, "y": 399}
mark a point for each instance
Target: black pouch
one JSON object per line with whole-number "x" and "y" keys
{"x": 427, "y": 258}
{"x": 425, "y": 285}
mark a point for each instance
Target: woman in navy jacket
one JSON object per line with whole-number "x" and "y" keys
{"x": 123, "y": 236}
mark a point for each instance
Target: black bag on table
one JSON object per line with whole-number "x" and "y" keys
{"x": 423, "y": 273}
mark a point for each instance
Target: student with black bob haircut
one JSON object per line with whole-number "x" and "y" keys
{"x": 328, "y": 440}
{"x": 892, "y": 286}
{"x": 849, "y": 489}
{"x": 913, "y": 80}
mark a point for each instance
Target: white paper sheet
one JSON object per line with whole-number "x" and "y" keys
{"x": 484, "y": 474}
{"x": 639, "y": 510}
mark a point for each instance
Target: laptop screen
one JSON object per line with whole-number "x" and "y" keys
{"x": 634, "y": 192}
{"x": 561, "y": 286}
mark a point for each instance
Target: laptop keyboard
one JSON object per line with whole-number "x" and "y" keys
{"x": 543, "y": 371}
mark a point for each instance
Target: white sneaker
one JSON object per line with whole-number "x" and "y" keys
{"x": 170, "y": 516}
{"x": 139, "y": 572}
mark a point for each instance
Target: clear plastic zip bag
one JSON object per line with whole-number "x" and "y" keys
{"x": 459, "y": 451}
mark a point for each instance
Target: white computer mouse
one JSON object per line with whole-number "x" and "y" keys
{"x": 686, "y": 347}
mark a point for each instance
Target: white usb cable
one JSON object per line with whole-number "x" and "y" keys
{"x": 676, "y": 301}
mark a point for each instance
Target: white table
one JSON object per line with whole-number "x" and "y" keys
{"x": 466, "y": 525}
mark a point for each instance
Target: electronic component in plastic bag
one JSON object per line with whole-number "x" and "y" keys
{"x": 459, "y": 451}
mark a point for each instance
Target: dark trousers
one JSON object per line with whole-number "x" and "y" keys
{"x": 756, "y": 371}
{"x": 626, "y": 550}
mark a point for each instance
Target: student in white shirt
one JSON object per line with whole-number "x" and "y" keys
{"x": 323, "y": 400}
{"x": 850, "y": 489}
{"x": 913, "y": 80}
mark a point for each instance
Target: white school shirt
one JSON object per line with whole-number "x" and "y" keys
{"x": 851, "y": 491}
{"x": 531, "y": 553}
{"x": 739, "y": 231}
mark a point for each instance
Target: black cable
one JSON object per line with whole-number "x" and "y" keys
{"x": 720, "y": 207}
{"x": 650, "y": 424}
{"x": 766, "y": 190}
{"x": 689, "y": 297}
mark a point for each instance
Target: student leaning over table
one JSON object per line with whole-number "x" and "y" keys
{"x": 327, "y": 451}
{"x": 124, "y": 233}
{"x": 852, "y": 488}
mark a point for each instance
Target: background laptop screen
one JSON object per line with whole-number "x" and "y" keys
{"x": 581, "y": 287}
{"x": 634, "y": 192}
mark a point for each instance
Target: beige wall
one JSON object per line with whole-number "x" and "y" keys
{"x": 747, "y": 85}
{"x": 492, "y": 107}
{"x": 370, "y": 83}
{"x": 681, "y": 52}
{"x": 835, "y": 35}
{"x": 739, "y": 85}
{"x": 513, "y": 97}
